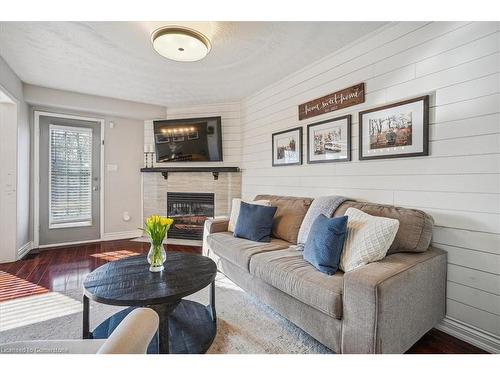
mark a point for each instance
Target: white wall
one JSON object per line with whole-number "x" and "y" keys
{"x": 231, "y": 130}
{"x": 458, "y": 184}
{"x": 8, "y": 179}
{"x": 10, "y": 83}
{"x": 43, "y": 96}
{"x": 123, "y": 148}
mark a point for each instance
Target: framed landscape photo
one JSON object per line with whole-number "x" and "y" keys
{"x": 287, "y": 147}
{"x": 329, "y": 141}
{"x": 395, "y": 130}
{"x": 193, "y": 135}
{"x": 179, "y": 138}
{"x": 160, "y": 138}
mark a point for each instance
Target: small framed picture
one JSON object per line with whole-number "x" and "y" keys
{"x": 395, "y": 130}
{"x": 178, "y": 138}
{"x": 287, "y": 147}
{"x": 161, "y": 138}
{"x": 193, "y": 135}
{"x": 329, "y": 141}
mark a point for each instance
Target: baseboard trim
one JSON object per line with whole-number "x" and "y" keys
{"x": 106, "y": 237}
{"x": 172, "y": 241}
{"x": 470, "y": 334}
{"x": 180, "y": 241}
{"x": 24, "y": 250}
{"x": 121, "y": 235}
{"x": 68, "y": 243}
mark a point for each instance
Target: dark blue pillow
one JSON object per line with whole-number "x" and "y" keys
{"x": 255, "y": 222}
{"x": 325, "y": 243}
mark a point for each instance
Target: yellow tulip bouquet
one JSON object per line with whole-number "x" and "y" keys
{"x": 156, "y": 228}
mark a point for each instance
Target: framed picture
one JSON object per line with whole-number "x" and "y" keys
{"x": 395, "y": 130}
{"x": 160, "y": 138}
{"x": 193, "y": 135}
{"x": 329, "y": 141}
{"x": 178, "y": 138}
{"x": 287, "y": 147}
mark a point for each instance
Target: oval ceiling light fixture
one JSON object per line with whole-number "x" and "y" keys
{"x": 180, "y": 43}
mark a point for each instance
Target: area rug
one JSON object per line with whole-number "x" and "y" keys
{"x": 244, "y": 325}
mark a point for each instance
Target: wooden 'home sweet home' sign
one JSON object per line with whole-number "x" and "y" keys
{"x": 341, "y": 99}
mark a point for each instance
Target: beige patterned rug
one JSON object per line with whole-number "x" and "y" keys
{"x": 244, "y": 324}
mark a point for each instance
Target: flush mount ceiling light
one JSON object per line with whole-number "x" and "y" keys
{"x": 180, "y": 43}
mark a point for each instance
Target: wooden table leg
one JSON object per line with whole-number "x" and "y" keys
{"x": 212, "y": 301}
{"x": 164, "y": 311}
{"x": 85, "y": 330}
{"x": 163, "y": 342}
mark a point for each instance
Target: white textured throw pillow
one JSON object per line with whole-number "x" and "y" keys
{"x": 235, "y": 210}
{"x": 368, "y": 239}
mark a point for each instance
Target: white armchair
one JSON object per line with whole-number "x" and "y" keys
{"x": 132, "y": 336}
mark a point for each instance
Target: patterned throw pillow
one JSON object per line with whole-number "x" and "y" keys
{"x": 235, "y": 211}
{"x": 368, "y": 239}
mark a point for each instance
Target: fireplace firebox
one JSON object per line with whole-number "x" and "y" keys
{"x": 189, "y": 211}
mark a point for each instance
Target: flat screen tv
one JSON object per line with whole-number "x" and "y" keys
{"x": 196, "y": 139}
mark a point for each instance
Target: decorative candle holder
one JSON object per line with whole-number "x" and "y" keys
{"x": 152, "y": 159}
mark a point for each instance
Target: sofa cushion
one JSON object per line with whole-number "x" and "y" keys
{"x": 289, "y": 216}
{"x": 240, "y": 250}
{"x": 287, "y": 271}
{"x": 415, "y": 226}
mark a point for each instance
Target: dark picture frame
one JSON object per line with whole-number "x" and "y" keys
{"x": 310, "y": 129}
{"x": 297, "y": 142}
{"x": 160, "y": 138}
{"x": 419, "y": 135}
{"x": 178, "y": 138}
{"x": 193, "y": 135}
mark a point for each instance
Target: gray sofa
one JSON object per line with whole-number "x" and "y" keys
{"x": 382, "y": 307}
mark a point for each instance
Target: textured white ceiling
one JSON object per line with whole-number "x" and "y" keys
{"x": 116, "y": 59}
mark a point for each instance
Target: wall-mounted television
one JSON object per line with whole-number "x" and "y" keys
{"x": 195, "y": 139}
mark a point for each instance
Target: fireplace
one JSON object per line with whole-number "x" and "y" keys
{"x": 189, "y": 211}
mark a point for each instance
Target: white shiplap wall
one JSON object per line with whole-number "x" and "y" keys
{"x": 457, "y": 63}
{"x": 231, "y": 130}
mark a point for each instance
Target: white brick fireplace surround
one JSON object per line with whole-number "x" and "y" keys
{"x": 155, "y": 188}
{"x": 228, "y": 184}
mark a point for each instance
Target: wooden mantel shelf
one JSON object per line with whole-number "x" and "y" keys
{"x": 214, "y": 170}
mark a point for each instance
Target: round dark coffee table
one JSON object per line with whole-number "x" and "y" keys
{"x": 185, "y": 326}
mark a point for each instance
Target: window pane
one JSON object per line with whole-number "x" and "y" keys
{"x": 70, "y": 180}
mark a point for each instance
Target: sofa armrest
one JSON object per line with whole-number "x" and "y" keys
{"x": 213, "y": 226}
{"x": 390, "y": 304}
{"x": 216, "y": 225}
{"x": 133, "y": 334}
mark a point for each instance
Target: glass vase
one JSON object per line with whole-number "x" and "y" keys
{"x": 156, "y": 257}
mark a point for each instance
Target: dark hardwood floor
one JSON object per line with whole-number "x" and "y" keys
{"x": 62, "y": 269}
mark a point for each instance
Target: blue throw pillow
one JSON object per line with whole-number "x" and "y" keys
{"x": 255, "y": 222}
{"x": 325, "y": 243}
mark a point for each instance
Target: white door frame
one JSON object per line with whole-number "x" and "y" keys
{"x": 15, "y": 255}
{"x": 36, "y": 174}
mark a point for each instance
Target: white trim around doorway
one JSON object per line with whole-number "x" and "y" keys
{"x": 36, "y": 171}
